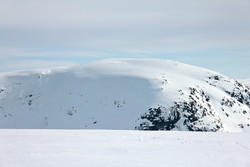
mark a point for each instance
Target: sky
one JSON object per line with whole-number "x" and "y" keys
{"x": 52, "y": 33}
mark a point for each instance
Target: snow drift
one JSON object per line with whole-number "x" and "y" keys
{"x": 142, "y": 94}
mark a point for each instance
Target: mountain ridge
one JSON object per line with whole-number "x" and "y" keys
{"x": 142, "y": 94}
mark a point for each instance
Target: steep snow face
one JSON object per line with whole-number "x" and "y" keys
{"x": 125, "y": 94}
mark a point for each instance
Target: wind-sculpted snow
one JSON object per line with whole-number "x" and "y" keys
{"x": 125, "y": 94}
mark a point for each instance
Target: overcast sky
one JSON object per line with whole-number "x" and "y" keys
{"x": 214, "y": 34}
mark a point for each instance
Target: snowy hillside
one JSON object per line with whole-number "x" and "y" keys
{"x": 94, "y": 148}
{"x": 125, "y": 94}
{"x": 246, "y": 82}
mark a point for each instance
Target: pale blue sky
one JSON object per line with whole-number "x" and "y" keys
{"x": 51, "y": 33}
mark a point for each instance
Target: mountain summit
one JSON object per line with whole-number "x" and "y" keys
{"x": 141, "y": 94}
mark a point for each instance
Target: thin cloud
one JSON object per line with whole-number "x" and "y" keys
{"x": 91, "y": 29}
{"x": 34, "y": 64}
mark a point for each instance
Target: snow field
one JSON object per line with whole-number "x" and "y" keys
{"x": 109, "y": 148}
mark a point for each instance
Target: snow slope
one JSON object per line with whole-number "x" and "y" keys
{"x": 93, "y": 148}
{"x": 246, "y": 82}
{"x": 143, "y": 94}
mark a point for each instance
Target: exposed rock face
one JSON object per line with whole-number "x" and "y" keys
{"x": 197, "y": 113}
{"x": 189, "y": 115}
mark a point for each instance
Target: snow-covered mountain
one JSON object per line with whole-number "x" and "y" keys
{"x": 142, "y": 94}
{"x": 246, "y": 82}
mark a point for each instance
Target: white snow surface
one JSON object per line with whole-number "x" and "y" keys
{"x": 95, "y": 148}
{"x": 116, "y": 93}
{"x": 246, "y": 82}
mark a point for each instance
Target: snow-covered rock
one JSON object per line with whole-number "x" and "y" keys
{"x": 143, "y": 94}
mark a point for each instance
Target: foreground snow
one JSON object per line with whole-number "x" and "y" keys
{"x": 95, "y": 148}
